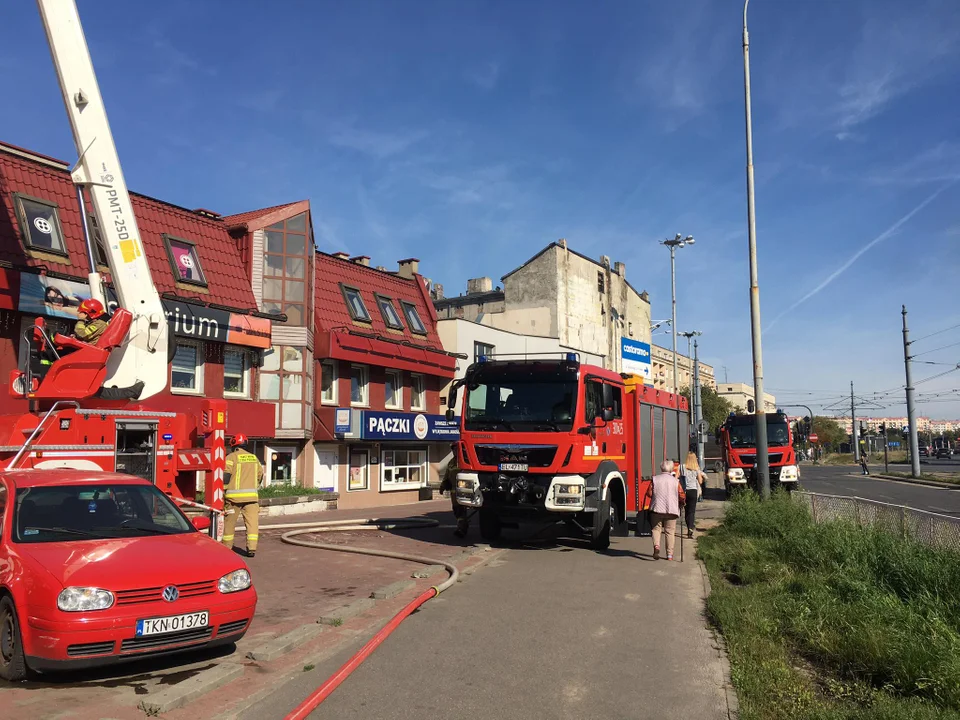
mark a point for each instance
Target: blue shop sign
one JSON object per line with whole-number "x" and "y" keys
{"x": 407, "y": 426}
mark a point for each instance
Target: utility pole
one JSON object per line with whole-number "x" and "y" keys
{"x": 854, "y": 435}
{"x": 699, "y": 403}
{"x": 911, "y": 412}
{"x": 763, "y": 457}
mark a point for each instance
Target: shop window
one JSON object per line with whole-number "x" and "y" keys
{"x": 390, "y": 315}
{"x": 184, "y": 261}
{"x": 418, "y": 395}
{"x": 413, "y": 319}
{"x": 403, "y": 469}
{"x": 358, "y": 478}
{"x": 393, "y": 389}
{"x": 186, "y": 372}
{"x": 359, "y": 385}
{"x": 328, "y": 382}
{"x": 236, "y": 373}
{"x": 40, "y": 225}
{"x": 358, "y": 311}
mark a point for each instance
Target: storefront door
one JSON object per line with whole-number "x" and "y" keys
{"x": 325, "y": 467}
{"x": 281, "y": 465}
{"x": 358, "y": 477}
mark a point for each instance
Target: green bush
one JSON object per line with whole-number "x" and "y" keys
{"x": 831, "y": 618}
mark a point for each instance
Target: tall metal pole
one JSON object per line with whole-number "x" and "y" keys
{"x": 854, "y": 435}
{"x": 699, "y": 403}
{"x": 911, "y": 411}
{"x": 673, "y": 323}
{"x": 763, "y": 457}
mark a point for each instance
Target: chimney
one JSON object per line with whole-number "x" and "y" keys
{"x": 605, "y": 261}
{"x": 437, "y": 291}
{"x": 408, "y": 267}
{"x": 207, "y": 213}
{"x": 479, "y": 285}
{"x": 341, "y": 255}
{"x": 361, "y": 260}
{"x": 562, "y": 243}
{"x": 381, "y": 268}
{"x": 620, "y": 269}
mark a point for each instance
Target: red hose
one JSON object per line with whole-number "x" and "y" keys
{"x": 333, "y": 682}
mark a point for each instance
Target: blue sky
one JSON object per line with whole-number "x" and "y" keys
{"x": 471, "y": 134}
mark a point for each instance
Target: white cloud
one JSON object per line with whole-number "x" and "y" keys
{"x": 487, "y": 76}
{"x": 377, "y": 144}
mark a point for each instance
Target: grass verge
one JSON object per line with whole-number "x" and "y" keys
{"x": 938, "y": 477}
{"x": 830, "y": 621}
{"x": 272, "y": 491}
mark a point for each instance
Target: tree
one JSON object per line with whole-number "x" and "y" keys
{"x": 715, "y": 408}
{"x": 828, "y": 431}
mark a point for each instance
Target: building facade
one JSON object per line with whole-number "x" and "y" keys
{"x": 380, "y": 437}
{"x": 661, "y": 376}
{"x": 583, "y": 303}
{"x": 738, "y": 394}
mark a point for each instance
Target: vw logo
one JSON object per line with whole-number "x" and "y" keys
{"x": 170, "y": 593}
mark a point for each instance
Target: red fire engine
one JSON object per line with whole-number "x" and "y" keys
{"x": 556, "y": 441}
{"x": 738, "y": 446}
{"x": 82, "y": 396}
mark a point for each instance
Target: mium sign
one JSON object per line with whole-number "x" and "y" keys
{"x": 635, "y": 357}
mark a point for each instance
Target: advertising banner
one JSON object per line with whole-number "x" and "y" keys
{"x": 635, "y": 357}
{"x": 408, "y": 426}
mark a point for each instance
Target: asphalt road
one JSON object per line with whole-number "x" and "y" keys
{"x": 546, "y": 631}
{"x": 846, "y": 480}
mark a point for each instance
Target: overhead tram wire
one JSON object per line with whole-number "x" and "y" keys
{"x": 938, "y": 332}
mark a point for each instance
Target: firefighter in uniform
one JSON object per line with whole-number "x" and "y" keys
{"x": 449, "y": 483}
{"x": 242, "y": 477}
{"x": 90, "y": 321}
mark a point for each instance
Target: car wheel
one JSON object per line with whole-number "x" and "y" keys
{"x": 13, "y": 666}
{"x": 603, "y": 519}
{"x": 489, "y": 525}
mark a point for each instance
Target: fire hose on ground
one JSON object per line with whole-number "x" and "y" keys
{"x": 292, "y": 537}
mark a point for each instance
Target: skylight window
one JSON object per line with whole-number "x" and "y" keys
{"x": 358, "y": 311}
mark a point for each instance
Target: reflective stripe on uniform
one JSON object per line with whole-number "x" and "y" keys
{"x": 252, "y": 536}
{"x": 252, "y": 494}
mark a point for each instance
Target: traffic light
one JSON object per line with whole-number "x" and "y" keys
{"x": 806, "y": 426}
{"x": 883, "y": 429}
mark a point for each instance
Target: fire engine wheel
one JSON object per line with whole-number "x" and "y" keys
{"x": 603, "y": 520}
{"x": 489, "y": 525}
{"x": 13, "y": 666}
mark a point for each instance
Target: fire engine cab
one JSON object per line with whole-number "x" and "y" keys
{"x": 738, "y": 445}
{"x": 553, "y": 440}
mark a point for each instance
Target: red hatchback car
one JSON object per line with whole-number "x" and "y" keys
{"x": 100, "y": 567}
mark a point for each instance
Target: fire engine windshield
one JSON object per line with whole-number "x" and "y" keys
{"x": 744, "y": 436}
{"x": 63, "y": 513}
{"x": 520, "y": 399}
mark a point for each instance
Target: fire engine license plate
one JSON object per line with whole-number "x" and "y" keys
{"x": 514, "y": 467}
{"x": 174, "y": 623}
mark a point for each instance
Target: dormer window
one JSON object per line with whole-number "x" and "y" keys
{"x": 413, "y": 318}
{"x": 358, "y": 311}
{"x": 40, "y": 225}
{"x": 184, "y": 261}
{"x": 390, "y": 315}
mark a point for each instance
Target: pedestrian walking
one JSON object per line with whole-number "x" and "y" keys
{"x": 242, "y": 478}
{"x": 449, "y": 483}
{"x": 666, "y": 495}
{"x": 863, "y": 464}
{"x": 693, "y": 481}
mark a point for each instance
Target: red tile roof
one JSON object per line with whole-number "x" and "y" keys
{"x": 331, "y": 309}
{"x": 227, "y": 281}
{"x": 256, "y": 219}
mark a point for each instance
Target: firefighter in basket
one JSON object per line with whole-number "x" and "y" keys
{"x": 91, "y": 321}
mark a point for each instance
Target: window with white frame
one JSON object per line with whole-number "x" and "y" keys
{"x": 328, "y": 382}
{"x": 359, "y": 385}
{"x": 393, "y": 389}
{"x": 236, "y": 373}
{"x": 418, "y": 395}
{"x": 186, "y": 371}
{"x": 403, "y": 469}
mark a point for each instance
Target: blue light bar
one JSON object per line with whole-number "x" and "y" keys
{"x": 482, "y": 359}
{"x": 571, "y": 357}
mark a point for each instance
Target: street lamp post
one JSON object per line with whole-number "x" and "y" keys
{"x": 678, "y": 241}
{"x": 763, "y": 458}
{"x": 694, "y": 390}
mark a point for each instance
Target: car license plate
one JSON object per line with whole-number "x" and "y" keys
{"x": 173, "y": 623}
{"x": 514, "y": 467}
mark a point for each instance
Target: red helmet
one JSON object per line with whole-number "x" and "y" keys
{"x": 92, "y": 307}
{"x": 238, "y": 439}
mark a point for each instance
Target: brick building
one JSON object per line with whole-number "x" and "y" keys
{"x": 379, "y": 436}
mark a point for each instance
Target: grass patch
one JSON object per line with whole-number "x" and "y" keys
{"x": 272, "y": 491}
{"x": 938, "y": 477}
{"x": 832, "y": 621}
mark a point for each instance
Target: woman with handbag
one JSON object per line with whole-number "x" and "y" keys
{"x": 666, "y": 496}
{"x": 693, "y": 481}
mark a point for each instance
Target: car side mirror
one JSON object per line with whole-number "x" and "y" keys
{"x": 450, "y": 414}
{"x": 200, "y": 522}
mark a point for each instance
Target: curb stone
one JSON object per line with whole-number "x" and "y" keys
{"x": 184, "y": 692}
{"x": 283, "y": 644}
{"x": 428, "y": 571}
{"x": 346, "y": 612}
{"x": 392, "y": 590}
{"x": 912, "y": 481}
{"x": 487, "y": 558}
{"x": 733, "y": 702}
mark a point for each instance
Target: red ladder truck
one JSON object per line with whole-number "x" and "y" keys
{"x": 82, "y": 396}
{"x": 552, "y": 440}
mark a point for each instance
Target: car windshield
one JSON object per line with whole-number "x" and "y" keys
{"x": 521, "y": 399}
{"x": 65, "y": 513}
{"x": 744, "y": 436}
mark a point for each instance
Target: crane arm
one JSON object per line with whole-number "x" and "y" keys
{"x": 143, "y": 357}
